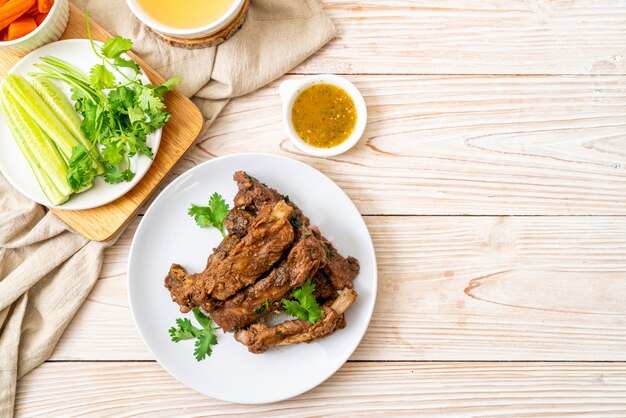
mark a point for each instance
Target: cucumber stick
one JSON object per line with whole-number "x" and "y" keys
{"x": 45, "y": 182}
{"x": 39, "y": 150}
{"x": 64, "y": 111}
{"x": 25, "y": 94}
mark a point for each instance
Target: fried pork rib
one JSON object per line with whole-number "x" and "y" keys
{"x": 260, "y": 337}
{"x": 339, "y": 270}
{"x": 237, "y": 262}
{"x": 187, "y": 290}
{"x": 324, "y": 290}
{"x": 238, "y": 221}
{"x": 303, "y": 261}
{"x": 258, "y": 251}
{"x": 270, "y": 250}
{"x": 253, "y": 195}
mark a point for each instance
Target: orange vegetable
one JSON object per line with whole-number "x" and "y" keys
{"x": 40, "y": 18}
{"x": 3, "y": 2}
{"x": 32, "y": 11}
{"x": 44, "y": 6}
{"x": 22, "y": 26}
{"x": 13, "y": 9}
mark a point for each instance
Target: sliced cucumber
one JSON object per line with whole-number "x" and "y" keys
{"x": 25, "y": 94}
{"x": 45, "y": 182}
{"x": 64, "y": 111}
{"x": 38, "y": 148}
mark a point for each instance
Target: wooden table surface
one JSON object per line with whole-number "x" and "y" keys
{"x": 492, "y": 176}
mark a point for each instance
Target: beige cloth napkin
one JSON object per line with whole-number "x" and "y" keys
{"x": 46, "y": 270}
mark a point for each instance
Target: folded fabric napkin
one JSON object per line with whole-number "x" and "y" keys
{"x": 47, "y": 270}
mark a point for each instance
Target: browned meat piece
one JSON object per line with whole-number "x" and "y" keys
{"x": 340, "y": 271}
{"x": 253, "y": 195}
{"x": 256, "y": 253}
{"x": 324, "y": 290}
{"x": 304, "y": 259}
{"x": 237, "y": 262}
{"x": 238, "y": 221}
{"x": 259, "y": 337}
{"x": 324, "y": 327}
{"x": 187, "y": 289}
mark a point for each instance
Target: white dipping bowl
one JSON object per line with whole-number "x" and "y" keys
{"x": 193, "y": 33}
{"x": 49, "y": 31}
{"x": 289, "y": 92}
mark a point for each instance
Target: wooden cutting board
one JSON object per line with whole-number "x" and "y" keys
{"x": 179, "y": 134}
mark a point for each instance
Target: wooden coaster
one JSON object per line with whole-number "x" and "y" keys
{"x": 211, "y": 40}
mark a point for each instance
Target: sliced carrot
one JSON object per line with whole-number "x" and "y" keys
{"x": 40, "y": 18}
{"x": 22, "y": 26}
{"x": 33, "y": 11}
{"x": 12, "y": 10}
{"x": 3, "y": 2}
{"x": 44, "y": 6}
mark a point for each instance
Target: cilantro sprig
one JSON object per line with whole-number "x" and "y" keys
{"x": 212, "y": 215}
{"x": 205, "y": 336}
{"x": 82, "y": 170}
{"x": 305, "y": 305}
{"x": 117, "y": 115}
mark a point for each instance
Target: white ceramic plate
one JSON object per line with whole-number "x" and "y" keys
{"x": 15, "y": 167}
{"x": 167, "y": 234}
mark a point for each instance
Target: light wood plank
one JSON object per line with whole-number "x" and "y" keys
{"x": 450, "y": 288}
{"x": 358, "y": 389}
{"x": 462, "y": 145}
{"x": 474, "y": 37}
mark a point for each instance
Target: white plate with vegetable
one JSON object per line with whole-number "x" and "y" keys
{"x": 168, "y": 233}
{"x": 44, "y": 151}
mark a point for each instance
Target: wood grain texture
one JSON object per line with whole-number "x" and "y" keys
{"x": 358, "y": 389}
{"x": 474, "y": 37}
{"x": 450, "y": 288}
{"x": 179, "y": 134}
{"x": 527, "y": 141}
{"x": 461, "y": 145}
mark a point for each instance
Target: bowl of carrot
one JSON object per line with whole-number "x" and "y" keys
{"x": 26, "y": 25}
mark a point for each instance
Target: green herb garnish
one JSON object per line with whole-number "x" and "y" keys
{"x": 295, "y": 222}
{"x": 305, "y": 305}
{"x": 329, "y": 253}
{"x": 265, "y": 306}
{"x": 205, "y": 336}
{"x": 82, "y": 170}
{"x": 212, "y": 215}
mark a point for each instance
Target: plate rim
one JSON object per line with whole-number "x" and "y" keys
{"x": 158, "y": 133}
{"x": 370, "y": 245}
